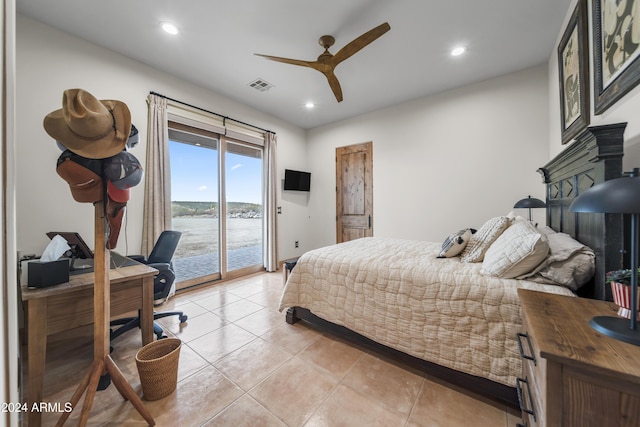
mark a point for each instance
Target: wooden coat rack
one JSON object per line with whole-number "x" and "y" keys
{"x": 102, "y": 364}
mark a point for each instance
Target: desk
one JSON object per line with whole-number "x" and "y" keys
{"x": 69, "y": 305}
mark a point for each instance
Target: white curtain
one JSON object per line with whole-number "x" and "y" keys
{"x": 157, "y": 191}
{"x": 270, "y": 239}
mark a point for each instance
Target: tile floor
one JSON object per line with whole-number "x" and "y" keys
{"x": 242, "y": 365}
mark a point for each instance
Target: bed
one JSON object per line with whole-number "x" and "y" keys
{"x": 452, "y": 319}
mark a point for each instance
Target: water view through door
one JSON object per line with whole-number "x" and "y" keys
{"x": 243, "y": 183}
{"x": 219, "y": 214}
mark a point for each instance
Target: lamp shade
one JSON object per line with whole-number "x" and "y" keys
{"x": 530, "y": 202}
{"x": 620, "y": 195}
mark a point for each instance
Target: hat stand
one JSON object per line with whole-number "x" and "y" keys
{"x": 102, "y": 364}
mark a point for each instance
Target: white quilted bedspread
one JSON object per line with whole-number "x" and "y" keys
{"x": 396, "y": 292}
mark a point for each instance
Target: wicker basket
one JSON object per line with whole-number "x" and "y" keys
{"x": 158, "y": 367}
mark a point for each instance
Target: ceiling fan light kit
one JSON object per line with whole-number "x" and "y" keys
{"x": 327, "y": 62}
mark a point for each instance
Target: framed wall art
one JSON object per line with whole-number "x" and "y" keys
{"x": 616, "y": 48}
{"x": 573, "y": 66}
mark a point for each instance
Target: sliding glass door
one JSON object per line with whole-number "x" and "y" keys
{"x": 216, "y": 202}
{"x": 194, "y": 161}
{"x": 243, "y": 183}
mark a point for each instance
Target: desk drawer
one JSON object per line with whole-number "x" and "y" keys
{"x": 75, "y": 309}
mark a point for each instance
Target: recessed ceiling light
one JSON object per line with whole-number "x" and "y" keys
{"x": 170, "y": 28}
{"x": 458, "y": 51}
{"x": 309, "y": 105}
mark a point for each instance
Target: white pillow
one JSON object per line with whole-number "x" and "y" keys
{"x": 569, "y": 263}
{"x": 455, "y": 243}
{"x": 483, "y": 238}
{"x": 519, "y": 250}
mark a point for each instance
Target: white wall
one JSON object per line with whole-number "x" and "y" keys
{"x": 441, "y": 163}
{"x": 625, "y": 110}
{"x": 50, "y": 61}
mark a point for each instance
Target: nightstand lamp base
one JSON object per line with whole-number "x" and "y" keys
{"x": 617, "y": 328}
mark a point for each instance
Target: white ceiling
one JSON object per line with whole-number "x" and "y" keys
{"x": 218, "y": 39}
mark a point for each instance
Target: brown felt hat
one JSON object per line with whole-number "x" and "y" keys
{"x": 90, "y": 128}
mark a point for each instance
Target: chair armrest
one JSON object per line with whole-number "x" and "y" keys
{"x": 160, "y": 266}
{"x": 139, "y": 258}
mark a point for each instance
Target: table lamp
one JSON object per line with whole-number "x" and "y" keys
{"x": 529, "y": 203}
{"x": 620, "y": 195}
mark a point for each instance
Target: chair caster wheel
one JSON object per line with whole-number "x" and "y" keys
{"x": 183, "y": 318}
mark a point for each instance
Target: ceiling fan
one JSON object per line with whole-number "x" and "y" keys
{"x": 327, "y": 62}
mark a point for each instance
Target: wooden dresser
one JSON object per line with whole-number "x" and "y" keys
{"x": 573, "y": 375}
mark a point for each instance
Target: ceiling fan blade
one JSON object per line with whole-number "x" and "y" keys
{"x": 310, "y": 64}
{"x": 335, "y": 85}
{"x": 360, "y": 42}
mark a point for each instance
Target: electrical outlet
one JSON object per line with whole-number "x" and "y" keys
{"x": 297, "y": 244}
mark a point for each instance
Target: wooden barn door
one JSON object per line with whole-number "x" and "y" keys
{"x": 354, "y": 192}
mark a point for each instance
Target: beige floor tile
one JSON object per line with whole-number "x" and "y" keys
{"x": 237, "y": 310}
{"x": 217, "y": 344}
{"x": 261, "y": 321}
{"x": 440, "y": 406}
{"x": 345, "y": 408}
{"x": 294, "y": 391}
{"x": 216, "y": 299}
{"x": 197, "y": 399}
{"x": 269, "y": 298}
{"x": 292, "y": 338}
{"x": 252, "y": 363}
{"x": 196, "y": 327}
{"x": 245, "y": 412}
{"x": 385, "y": 383}
{"x": 189, "y": 363}
{"x": 246, "y": 290}
{"x": 268, "y": 280}
{"x": 332, "y": 355}
{"x": 189, "y": 308}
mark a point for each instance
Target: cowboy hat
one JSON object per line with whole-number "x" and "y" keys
{"x": 88, "y": 127}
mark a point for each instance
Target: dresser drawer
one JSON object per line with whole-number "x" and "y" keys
{"x": 531, "y": 384}
{"x": 528, "y": 403}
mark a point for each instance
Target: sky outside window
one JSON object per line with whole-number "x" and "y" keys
{"x": 194, "y": 175}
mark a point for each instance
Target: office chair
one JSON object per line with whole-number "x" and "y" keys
{"x": 160, "y": 259}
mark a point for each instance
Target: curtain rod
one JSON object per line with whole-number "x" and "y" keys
{"x": 210, "y": 112}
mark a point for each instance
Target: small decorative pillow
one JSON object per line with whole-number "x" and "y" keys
{"x": 519, "y": 250}
{"x": 455, "y": 243}
{"x": 483, "y": 238}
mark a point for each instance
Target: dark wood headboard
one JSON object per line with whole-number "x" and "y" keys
{"x": 594, "y": 157}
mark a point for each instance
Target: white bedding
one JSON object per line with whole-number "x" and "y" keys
{"x": 397, "y": 293}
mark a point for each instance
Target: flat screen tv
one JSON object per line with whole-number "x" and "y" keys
{"x": 297, "y": 180}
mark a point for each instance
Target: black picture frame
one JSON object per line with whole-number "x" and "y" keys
{"x": 616, "y": 56}
{"x": 573, "y": 74}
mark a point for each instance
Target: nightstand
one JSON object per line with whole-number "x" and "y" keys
{"x": 287, "y": 267}
{"x": 571, "y": 374}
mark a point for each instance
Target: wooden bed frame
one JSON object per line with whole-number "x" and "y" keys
{"x": 594, "y": 157}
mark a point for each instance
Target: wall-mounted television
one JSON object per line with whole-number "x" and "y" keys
{"x": 297, "y": 180}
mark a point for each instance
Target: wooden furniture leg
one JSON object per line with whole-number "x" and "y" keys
{"x": 37, "y": 351}
{"x": 146, "y": 311}
{"x": 102, "y": 362}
